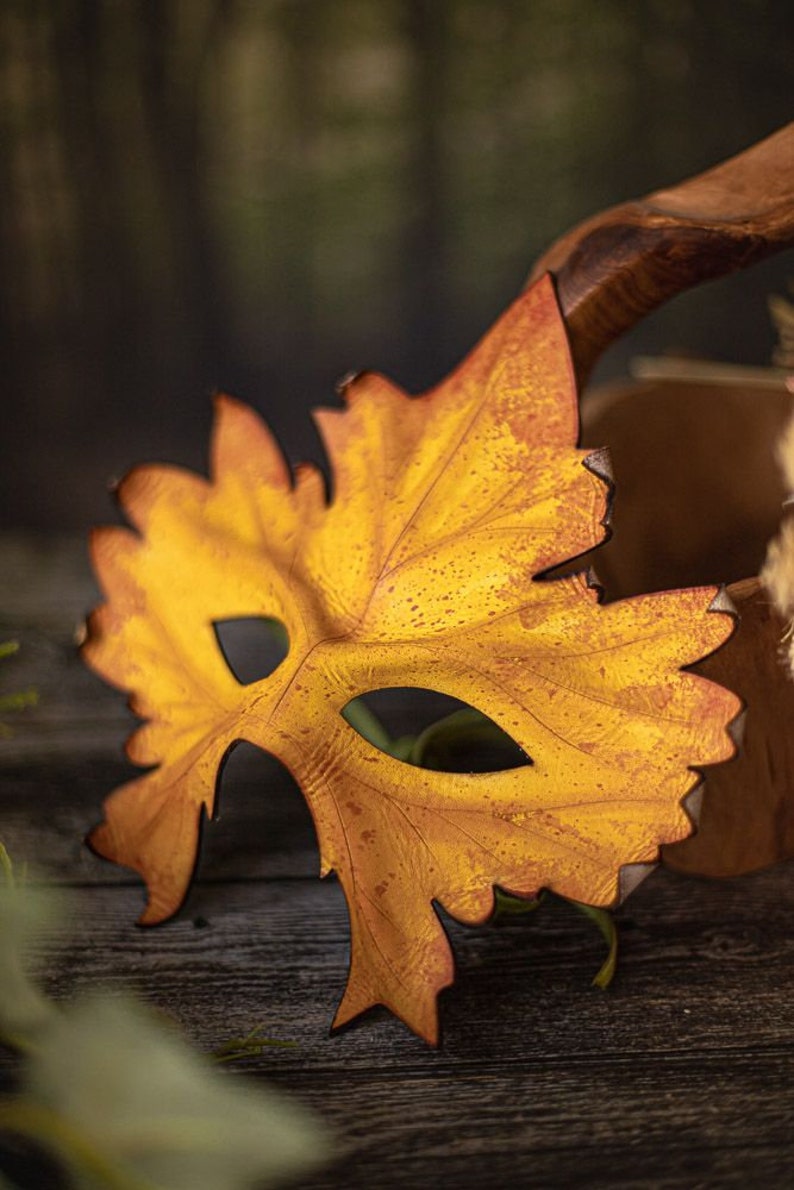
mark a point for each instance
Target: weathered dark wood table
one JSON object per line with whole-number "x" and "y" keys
{"x": 679, "y": 1076}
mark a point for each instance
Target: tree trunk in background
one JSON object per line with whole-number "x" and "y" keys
{"x": 173, "y": 123}
{"x": 424, "y": 234}
{"x": 260, "y": 196}
{"x": 109, "y": 309}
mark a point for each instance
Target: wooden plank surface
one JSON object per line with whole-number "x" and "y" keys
{"x": 678, "y": 1076}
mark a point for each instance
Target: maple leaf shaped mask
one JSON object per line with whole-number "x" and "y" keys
{"x": 420, "y": 571}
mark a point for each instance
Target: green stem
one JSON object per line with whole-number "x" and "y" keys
{"x": 507, "y": 905}
{"x": 434, "y": 747}
{"x": 510, "y": 906}
{"x": 17, "y": 702}
{"x": 605, "y": 922}
{"x": 6, "y": 867}
{"x": 250, "y": 1046}
{"x": 54, "y": 1132}
{"x": 20, "y": 1044}
{"x": 441, "y": 739}
{"x": 362, "y": 720}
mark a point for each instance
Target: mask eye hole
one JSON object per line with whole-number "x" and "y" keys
{"x": 434, "y": 731}
{"x": 252, "y": 646}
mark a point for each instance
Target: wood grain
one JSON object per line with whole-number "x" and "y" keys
{"x": 698, "y": 493}
{"x": 677, "y": 1077}
{"x": 680, "y": 1072}
{"x": 698, "y": 497}
{"x": 747, "y": 818}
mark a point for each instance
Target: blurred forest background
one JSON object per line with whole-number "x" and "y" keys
{"x": 260, "y": 195}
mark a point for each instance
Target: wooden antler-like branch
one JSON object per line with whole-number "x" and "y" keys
{"x": 616, "y": 267}
{"x": 610, "y": 272}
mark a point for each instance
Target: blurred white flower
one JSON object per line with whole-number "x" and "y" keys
{"x": 121, "y": 1099}
{"x": 159, "y": 1113}
{"x": 24, "y": 1010}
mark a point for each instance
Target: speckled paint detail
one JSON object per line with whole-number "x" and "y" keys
{"x": 422, "y": 570}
